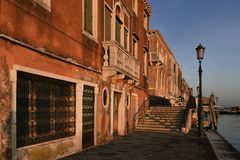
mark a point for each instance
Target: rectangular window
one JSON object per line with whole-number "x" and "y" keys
{"x": 145, "y": 64}
{"x": 118, "y": 31}
{"x": 135, "y": 6}
{"x": 88, "y": 16}
{"x": 45, "y": 109}
{"x": 145, "y": 21}
{"x": 135, "y": 47}
{"x": 125, "y": 38}
{"x": 107, "y": 24}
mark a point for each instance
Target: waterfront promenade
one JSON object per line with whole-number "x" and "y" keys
{"x": 151, "y": 146}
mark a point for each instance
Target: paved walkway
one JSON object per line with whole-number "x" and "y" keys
{"x": 223, "y": 149}
{"x": 150, "y": 146}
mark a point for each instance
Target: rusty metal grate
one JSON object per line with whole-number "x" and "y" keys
{"x": 45, "y": 109}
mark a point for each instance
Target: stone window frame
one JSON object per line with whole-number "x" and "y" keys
{"x": 145, "y": 62}
{"x": 126, "y": 29}
{"x": 135, "y": 6}
{"x": 107, "y": 98}
{"x": 46, "y": 4}
{"x": 51, "y": 132}
{"x": 106, "y": 6}
{"x": 79, "y": 93}
{"x": 94, "y": 34}
{"x": 145, "y": 20}
{"x": 135, "y": 46}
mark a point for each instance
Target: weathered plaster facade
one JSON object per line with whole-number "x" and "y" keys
{"x": 5, "y": 114}
{"x": 47, "y": 38}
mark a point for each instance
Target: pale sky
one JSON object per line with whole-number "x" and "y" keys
{"x": 214, "y": 23}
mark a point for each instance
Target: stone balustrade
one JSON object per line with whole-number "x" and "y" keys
{"x": 118, "y": 59}
{"x": 156, "y": 57}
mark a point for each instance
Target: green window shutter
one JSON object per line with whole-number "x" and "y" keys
{"x": 88, "y": 15}
{"x": 107, "y": 24}
{"x": 125, "y": 38}
{"x": 118, "y": 31}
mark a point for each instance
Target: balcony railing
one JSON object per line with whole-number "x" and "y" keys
{"x": 156, "y": 57}
{"x": 118, "y": 59}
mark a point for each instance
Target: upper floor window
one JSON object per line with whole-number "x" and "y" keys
{"x": 135, "y": 47}
{"x": 118, "y": 31}
{"x": 135, "y": 5}
{"x": 108, "y": 29}
{"x": 118, "y": 24}
{"x": 90, "y": 17}
{"x": 145, "y": 64}
{"x": 45, "y": 4}
{"x": 125, "y": 38}
{"x": 145, "y": 21}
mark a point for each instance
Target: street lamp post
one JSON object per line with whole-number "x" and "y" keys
{"x": 200, "y": 55}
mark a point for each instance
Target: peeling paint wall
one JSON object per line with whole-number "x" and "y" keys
{"x": 5, "y": 108}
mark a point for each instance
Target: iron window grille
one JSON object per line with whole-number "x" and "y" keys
{"x": 45, "y": 109}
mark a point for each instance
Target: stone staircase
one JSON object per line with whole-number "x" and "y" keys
{"x": 162, "y": 119}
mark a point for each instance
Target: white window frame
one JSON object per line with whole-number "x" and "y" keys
{"x": 78, "y": 126}
{"x": 145, "y": 20}
{"x": 112, "y": 33}
{"x": 135, "y": 6}
{"x": 135, "y": 47}
{"x": 94, "y": 34}
{"x": 44, "y": 3}
{"x": 145, "y": 61}
{"x": 126, "y": 27}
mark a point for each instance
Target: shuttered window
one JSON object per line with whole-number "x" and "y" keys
{"x": 118, "y": 31}
{"x": 125, "y": 38}
{"x": 134, "y": 48}
{"x": 88, "y": 16}
{"x": 107, "y": 24}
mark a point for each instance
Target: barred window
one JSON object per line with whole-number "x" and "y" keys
{"x": 45, "y": 109}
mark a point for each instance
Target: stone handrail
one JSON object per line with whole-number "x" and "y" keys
{"x": 188, "y": 121}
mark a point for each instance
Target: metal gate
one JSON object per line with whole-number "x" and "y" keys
{"x": 88, "y": 117}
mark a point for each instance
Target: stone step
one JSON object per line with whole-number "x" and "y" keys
{"x": 164, "y": 115}
{"x": 150, "y": 110}
{"x": 165, "y": 109}
{"x": 159, "y": 126}
{"x": 160, "y": 123}
{"x": 165, "y": 112}
{"x": 162, "y": 130}
{"x": 162, "y": 120}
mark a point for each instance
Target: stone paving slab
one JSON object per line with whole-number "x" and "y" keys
{"x": 223, "y": 149}
{"x": 150, "y": 146}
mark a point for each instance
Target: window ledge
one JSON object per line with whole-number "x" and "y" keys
{"x": 90, "y": 36}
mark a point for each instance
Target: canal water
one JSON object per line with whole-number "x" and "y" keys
{"x": 229, "y": 128}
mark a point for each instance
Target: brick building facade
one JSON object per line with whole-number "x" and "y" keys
{"x": 165, "y": 78}
{"x": 73, "y": 74}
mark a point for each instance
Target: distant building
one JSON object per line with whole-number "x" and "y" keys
{"x": 165, "y": 75}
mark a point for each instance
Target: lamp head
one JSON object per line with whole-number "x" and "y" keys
{"x": 200, "y": 51}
